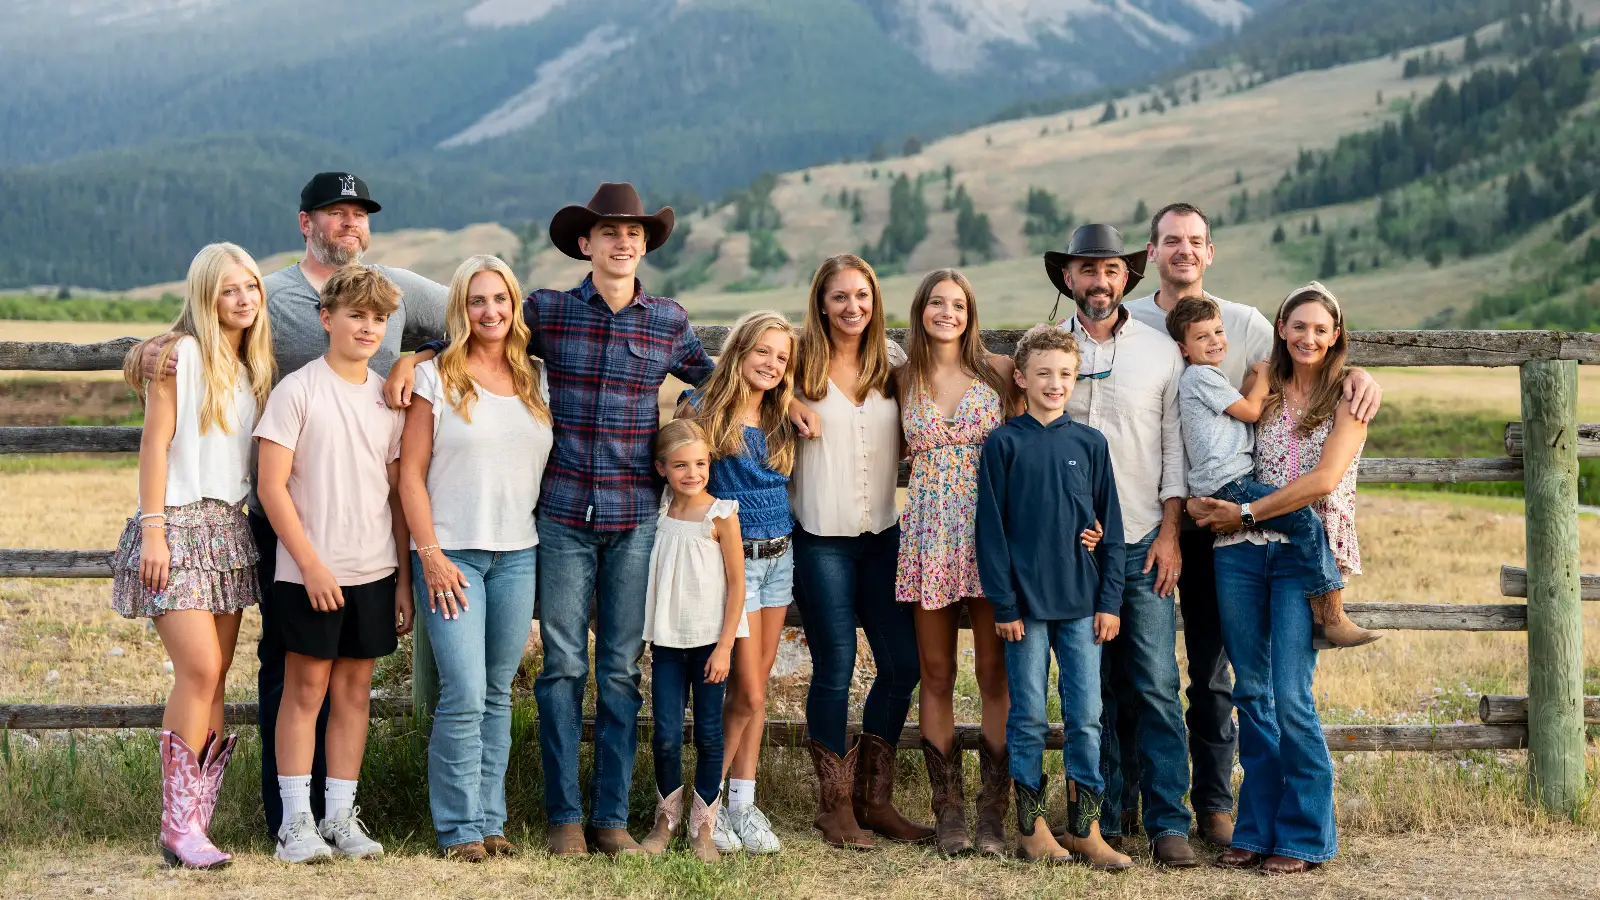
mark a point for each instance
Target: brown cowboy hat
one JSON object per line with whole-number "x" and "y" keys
{"x": 1095, "y": 242}
{"x": 614, "y": 200}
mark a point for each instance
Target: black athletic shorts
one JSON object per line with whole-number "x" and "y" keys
{"x": 361, "y": 629}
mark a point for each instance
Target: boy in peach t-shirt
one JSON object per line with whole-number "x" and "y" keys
{"x": 329, "y": 459}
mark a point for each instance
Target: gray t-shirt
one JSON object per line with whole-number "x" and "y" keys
{"x": 297, "y": 335}
{"x": 1249, "y": 332}
{"x": 1218, "y": 446}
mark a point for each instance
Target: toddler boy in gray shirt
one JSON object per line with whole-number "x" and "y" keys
{"x": 1219, "y": 441}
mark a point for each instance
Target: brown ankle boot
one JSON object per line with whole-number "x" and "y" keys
{"x": 1083, "y": 838}
{"x": 613, "y": 842}
{"x": 702, "y": 817}
{"x": 873, "y": 794}
{"x": 949, "y": 800}
{"x": 994, "y": 799}
{"x": 1328, "y": 611}
{"x": 1034, "y": 841}
{"x": 669, "y": 815}
{"x": 567, "y": 840}
{"x": 835, "y": 817}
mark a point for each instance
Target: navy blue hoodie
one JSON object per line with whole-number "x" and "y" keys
{"x": 1039, "y": 487}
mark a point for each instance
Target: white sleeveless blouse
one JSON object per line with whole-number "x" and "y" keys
{"x": 688, "y": 586}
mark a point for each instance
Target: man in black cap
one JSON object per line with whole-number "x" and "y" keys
{"x": 1128, "y": 390}
{"x": 334, "y": 211}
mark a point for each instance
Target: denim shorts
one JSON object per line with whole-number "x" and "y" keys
{"x": 769, "y": 583}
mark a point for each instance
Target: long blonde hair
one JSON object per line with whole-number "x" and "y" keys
{"x": 723, "y": 396}
{"x": 460, "y": 388}
{"x": 918, "y": 370}
{"x": 219, "y": 363}
{"x": 816, "y": 349}
{"x": 1329, "y": 390}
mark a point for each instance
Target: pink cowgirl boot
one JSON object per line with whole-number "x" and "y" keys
{"x": 211, "y": 767}
{"x": 183, "y": 808}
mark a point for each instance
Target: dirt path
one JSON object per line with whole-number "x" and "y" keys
{"x": 1473, "y": 864}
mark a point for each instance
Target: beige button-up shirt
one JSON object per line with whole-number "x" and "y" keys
{"x": 844, "y": 481}
{"x": 1136, "y": 408}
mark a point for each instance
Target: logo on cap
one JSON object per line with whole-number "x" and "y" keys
{"x": 347, "y": 185}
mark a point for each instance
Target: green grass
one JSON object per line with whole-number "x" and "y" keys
{"x": 89, "y": 309}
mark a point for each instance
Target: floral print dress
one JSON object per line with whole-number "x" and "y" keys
{"x": 938, "y": 562}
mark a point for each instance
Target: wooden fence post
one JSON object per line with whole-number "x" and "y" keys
{"x": 424, "y": 674}
{"x": 1555, "y": 618}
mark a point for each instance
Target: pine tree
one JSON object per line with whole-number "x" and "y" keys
{"x": 1278, "y": 236}
{"x": 1329, "y": 266}
{"x": 1110, "y": 113}
{"x": 1140, "y": 211}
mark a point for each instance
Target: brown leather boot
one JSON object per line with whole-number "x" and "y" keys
{"x": 994, "y": 799}
{"x": 669, "y": 816}
{"x": 1173, "y": 851}
{"x": 613, "y": 842}
{"x": 567, "y": 840}
{"x": 1083, "y": 838}
{"x": 949, "y": 801}
{"x": 873, "y": 795}
{"x": 701, "y": 818}
{"x": 836, "y": 819}
{"x": 497, "y": 845}
{"x": 1328, "y": 611}
{"x": 1034, "y": 841}
{"x": 1216, "y": 828}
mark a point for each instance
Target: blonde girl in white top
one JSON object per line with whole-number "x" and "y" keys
{"x": 847, "y": 545}
{"x": 477, "y": 436}
{"x": 694, "y": 610}
{"x": 186, "y": 560}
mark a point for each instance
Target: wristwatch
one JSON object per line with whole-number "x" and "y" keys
{"x": 1246, "y": 518}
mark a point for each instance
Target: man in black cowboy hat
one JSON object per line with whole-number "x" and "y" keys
{"x": 607, "y": 346}
{"x": 1128, "y": 389}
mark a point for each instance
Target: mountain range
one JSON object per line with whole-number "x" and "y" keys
{"x": 135, "y": 130}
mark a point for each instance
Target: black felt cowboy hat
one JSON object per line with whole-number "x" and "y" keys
{"x": 1095, "y": 242}
{"x": 614, "y": 200}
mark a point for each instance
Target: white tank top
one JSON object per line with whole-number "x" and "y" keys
{"x": 688, "y": 588}
{"x": 214, "y": 465}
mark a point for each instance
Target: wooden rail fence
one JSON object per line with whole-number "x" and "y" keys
{"x": 1542, "y": 450}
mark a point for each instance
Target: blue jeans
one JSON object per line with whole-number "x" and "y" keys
{"x": 477, "y": 656}
{"x": 843, "y": 580}
{"x": 1286, "y": 800}
{"x": 1139, "y": 675}
{"x": 674, "y": 675}
{"x": 612, "y": 568}
{"x": 1310, "y": 552}
{"x": 1077, "y": 681}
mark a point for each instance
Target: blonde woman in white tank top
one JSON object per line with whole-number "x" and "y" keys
{"x": 187, "y": 560}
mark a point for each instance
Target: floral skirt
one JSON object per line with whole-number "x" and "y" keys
{"x": 213, "y": 563}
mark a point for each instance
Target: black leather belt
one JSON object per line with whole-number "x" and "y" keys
{"x": 767, "y": 549}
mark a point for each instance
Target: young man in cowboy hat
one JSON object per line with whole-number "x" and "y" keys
{"x": 335, "y": 211}
{"x": 1128, "y": 390}
{"x": 607, "y": 346}
{"x": 1180, "y": 246}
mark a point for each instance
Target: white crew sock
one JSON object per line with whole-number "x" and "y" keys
{"x": 295, "y": 791}
{"x": 338, "y": 795}
{"x": 741, "y": 793}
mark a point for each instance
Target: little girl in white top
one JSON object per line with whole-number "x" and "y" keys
{"x": 694, "y": 609}
{"x": 187, "y": 561}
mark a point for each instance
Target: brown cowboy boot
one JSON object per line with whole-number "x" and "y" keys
{"x": 1216, "y": 828}
{"x": 835, "y": 817}
{"x": 702, "y": 816}
{"x": 1034, "y": 841}
{"x": 949, "y": 800}
{"x": 614, "y": 842}
{"x": 994, "y": 799}
{"x": 567, "y": 840}
{"x": 669, "y": 816}
{"x": 1083, "y": 838}
{"x": 1328, "y": 611}
{"x": 873, "y": 795}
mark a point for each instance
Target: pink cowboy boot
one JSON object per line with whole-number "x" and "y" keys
{"x": 211, "y": 766}
{"x": 183, "y": 816}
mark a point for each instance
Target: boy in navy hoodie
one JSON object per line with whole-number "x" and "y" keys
{"x": 1042, "y": 479}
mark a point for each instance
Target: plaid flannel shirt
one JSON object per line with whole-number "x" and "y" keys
{"x": 605, "y": 371}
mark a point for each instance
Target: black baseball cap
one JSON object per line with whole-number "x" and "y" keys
{"x": 328, "y": 188}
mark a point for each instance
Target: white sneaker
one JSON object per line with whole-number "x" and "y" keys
{"x": 754, "y": 831}
{"x": 299, "y": 842}
{"x": 723, "y": 835}
{"x": 349, "y": 837}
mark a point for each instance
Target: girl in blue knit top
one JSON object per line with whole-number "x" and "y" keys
{"x": 744, "y": 409}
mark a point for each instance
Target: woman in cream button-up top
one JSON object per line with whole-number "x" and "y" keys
{"x": 846, "y": 548}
